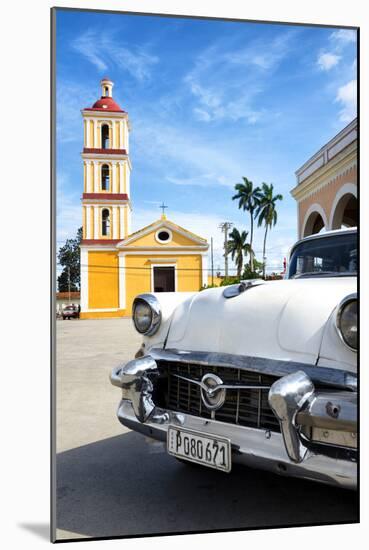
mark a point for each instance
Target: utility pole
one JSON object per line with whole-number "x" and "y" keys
{"x": 212, "y": 262}
{"x": 225, "y": 227}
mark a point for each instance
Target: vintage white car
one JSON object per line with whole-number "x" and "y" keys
{"x": 263, "y": 373}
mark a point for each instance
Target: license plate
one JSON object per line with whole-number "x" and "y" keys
{"x": 206, "y": 449}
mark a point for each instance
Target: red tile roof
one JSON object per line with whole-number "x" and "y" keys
{"x": 105, "y": 104}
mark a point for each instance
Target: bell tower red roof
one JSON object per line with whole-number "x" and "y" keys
{"x": 106, "y": 101}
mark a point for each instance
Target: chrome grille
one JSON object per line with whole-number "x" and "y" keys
{"x": 245, "y": 407}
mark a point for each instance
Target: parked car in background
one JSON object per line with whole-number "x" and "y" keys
{"x": 260, "y": 372}
{"x": 70, "y": 312}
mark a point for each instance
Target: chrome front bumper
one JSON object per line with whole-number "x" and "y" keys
{"x": 293, "y": 400}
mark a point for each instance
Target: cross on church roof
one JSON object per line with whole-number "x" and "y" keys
{"x": 163, "y": 207}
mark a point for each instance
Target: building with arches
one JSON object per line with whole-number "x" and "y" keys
{"x": 117, "y": 264}
{"x": 326, "y": 190}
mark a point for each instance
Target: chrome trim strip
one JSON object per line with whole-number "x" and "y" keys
{"x": 330, "y": 411}
{"x": 238, "y": 399}
{"x": 251, "y": 447}
{"x": 218, "y": 387}
{"x": 327, "y": 376}
{"x": 259, "y": 405}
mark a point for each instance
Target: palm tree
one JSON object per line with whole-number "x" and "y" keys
{"x": 248, "y": 199}
{"x": 237, "y": 247}
{"x": 266, "y": 212}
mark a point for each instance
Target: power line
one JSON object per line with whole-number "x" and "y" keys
{"x": 135, "y": 268}
{"x": 255, "y": 251}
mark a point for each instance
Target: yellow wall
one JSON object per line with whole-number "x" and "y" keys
{"x": 103, "y": 281}
{"x": 92, "y": 133}
{"x": 117, "y": 177}
{"x": 92, "y": 178}
{"x": 177, "y": 240}
{"x": 116, "y": 126}
{"x": 189, "y": 279}
{"x": 92, "y": 222}
{"x": 83, "y": 222}
{"x": 138, "y": 274}
{"x": 123, "y": 184}
{"x": 217, "y": 280}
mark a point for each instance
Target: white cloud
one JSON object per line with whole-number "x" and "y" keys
{"x": 265, "y": 55}
{"x": 200, "y": 179}
{"x": 87, "y": 45}
{"x": 219, "y": 101}
{"x": 184, "y": 161}
{"x": 226, "y": 79}
{"x": 105, "y": 52}
{"x": 202, "y": 115}
{"x": 343, "y": 36}
{"x": 71, "y": 98}
{"x": 327, "y": 61}
{"x": 347, "y": 98}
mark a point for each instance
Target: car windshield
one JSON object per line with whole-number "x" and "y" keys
{"x": 331, "y": 256}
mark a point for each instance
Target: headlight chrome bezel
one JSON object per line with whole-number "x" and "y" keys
{"x": 155, "y": 308}
{"x": 341, "y": 307}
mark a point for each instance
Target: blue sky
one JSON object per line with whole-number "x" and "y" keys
{"x": 209, "y": 102}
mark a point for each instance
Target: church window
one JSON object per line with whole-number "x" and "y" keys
{"x": 105, "y": 177}
{"x": 105, "y": 222}
{"x": 163, "y": 235}
{"x": 105, "y": 136}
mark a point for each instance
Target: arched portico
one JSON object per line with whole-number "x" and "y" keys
{"x": 326, "y": 186}
{"x": 315, "y": 220}
{"x": 344, "y": 207}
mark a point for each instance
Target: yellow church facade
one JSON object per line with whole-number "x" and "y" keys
{"x": 116, "y": 264}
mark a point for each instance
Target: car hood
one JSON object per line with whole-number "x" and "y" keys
{"x": 280, "y": 319}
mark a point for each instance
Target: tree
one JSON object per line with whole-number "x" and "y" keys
{"x": 266, "y": 212}
{"x": 69, "y": 258}
{"x": 248, "y": 199}
{"x": 237, "y": 247}
{"x": 256, "y": 274}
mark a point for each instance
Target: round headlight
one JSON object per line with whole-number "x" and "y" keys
{"x": 347, "y": 321}
{"x": 146, "y": 314}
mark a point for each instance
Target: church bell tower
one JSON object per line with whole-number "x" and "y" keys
{"x": 106, "y": 209}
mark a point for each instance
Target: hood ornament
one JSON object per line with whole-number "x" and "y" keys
{"x": 234, "y": 290}
{"x": 213, "y": 393}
